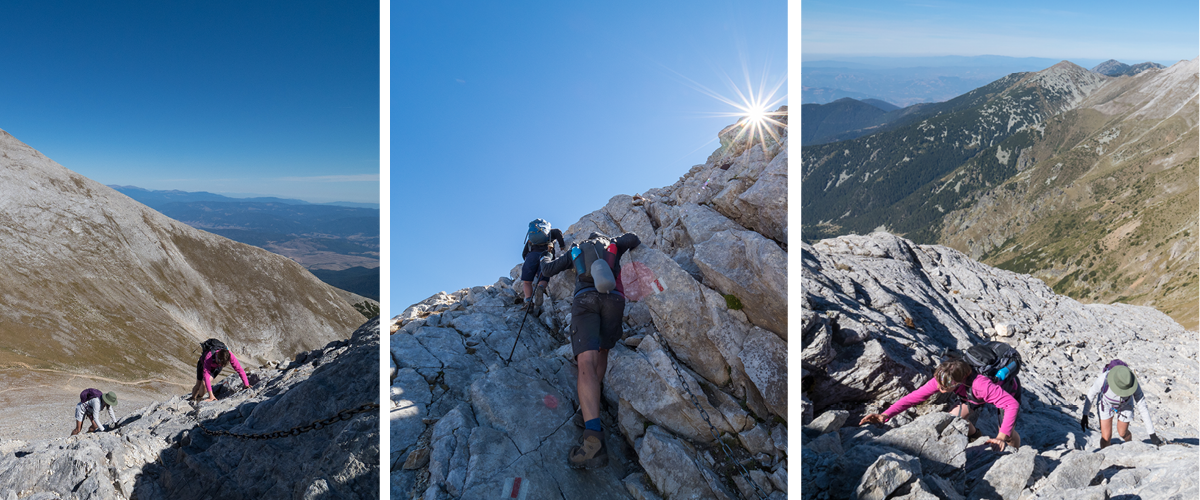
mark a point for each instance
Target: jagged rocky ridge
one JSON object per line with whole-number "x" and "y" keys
{"x": 159, "y": 452}
{"x": 465, "y": 421}
{"x": 877, "y": 312}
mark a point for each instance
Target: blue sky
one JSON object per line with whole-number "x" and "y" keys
{"x": 505, "y": 112}
{"x": 1131, "y": 32}
{"x": 277, "y": 98}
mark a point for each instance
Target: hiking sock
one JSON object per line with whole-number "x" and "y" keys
{"x": 593, "y": 425}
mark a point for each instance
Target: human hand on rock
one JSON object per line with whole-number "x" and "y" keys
{"x": 873, "y": 418}
{"x": 1154, "y": 439}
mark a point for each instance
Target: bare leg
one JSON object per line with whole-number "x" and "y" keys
{"x": 197, "y": 390}
{"x": 527, "y": 287}
{"x": 1105, "y": 433}
{"x": 1015, "y": 439}
{"x": 1123, "y": 431}
{"x": 964, "y": 411}
{"x": 592, "y": 365}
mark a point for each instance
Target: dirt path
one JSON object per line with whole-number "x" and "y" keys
{"x": 73, "y": 375}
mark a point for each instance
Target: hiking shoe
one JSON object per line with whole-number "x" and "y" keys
{"x": 538, "y": 294}
{"x": 590, "y": 453}
{"x": 974, "y": 435}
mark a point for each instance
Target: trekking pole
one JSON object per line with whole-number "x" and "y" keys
{"x": 514, "y": 347}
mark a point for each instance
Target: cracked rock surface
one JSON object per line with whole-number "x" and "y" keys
{"x": 467, "y": 422}
{"x": 159, "y": 452}
{"x": 879, "y": 310}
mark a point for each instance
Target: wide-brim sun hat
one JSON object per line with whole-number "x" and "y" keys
{"x": 1121, "y": 381}
{"x": 110, "y": 398}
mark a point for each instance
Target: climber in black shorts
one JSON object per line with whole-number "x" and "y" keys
{"x": 597, "y": 309}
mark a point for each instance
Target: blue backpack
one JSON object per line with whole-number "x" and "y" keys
{"x": 538, "y": 233}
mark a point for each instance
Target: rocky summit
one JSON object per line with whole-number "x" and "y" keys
{"x": 879, "y": 311}
{"x": 695, "y": 395}
{"x": 176, "y": 450}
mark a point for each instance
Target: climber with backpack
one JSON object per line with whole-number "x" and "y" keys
{"x": 597, "y": 309}
{"x": 984, "y": 374}
{"x": 214, "y": 356}
{"x": 539, "y": 240}
{"x": 1116, "y": 392}
{"x": 91, "y": 402}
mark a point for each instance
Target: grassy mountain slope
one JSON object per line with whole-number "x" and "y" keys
{"x": 1106, "y": 210}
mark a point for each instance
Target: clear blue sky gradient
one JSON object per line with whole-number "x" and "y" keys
{"x": 1131, "y": 32}
{"x": 276, "y": 98}
{"x": 503, "y": 112}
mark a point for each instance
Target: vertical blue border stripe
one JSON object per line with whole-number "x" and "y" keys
{"x": 384, "y": 250}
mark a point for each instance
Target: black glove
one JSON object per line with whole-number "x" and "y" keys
{"x": 1083, "y": 423}
{"x": 1154, "y": 439}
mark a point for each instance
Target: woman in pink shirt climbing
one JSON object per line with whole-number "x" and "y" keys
{"x": 214, "y": 359}
{"x": 973, "y": 390}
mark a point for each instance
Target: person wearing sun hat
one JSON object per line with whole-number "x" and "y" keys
{"x": 91, "y": 401}
{"x": 1116, "y": 392}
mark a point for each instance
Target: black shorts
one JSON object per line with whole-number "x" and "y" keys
{"x": 532, "y": 265}
{"x": 596, "y": 321}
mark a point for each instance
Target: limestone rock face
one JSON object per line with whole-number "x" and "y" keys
{"x": 161, "y": 451}
{"x": 702, "y": 368}
{"x": 879, "y": 311}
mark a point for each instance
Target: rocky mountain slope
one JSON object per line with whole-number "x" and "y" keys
{"x": 860, "y": 184}
{"x": 96, "y": 284}
{"x": 1105, "y": 206}
{"x": 171, "y": 449}
{"x": 878, "y": 311}
{"x": 706, "y": 318}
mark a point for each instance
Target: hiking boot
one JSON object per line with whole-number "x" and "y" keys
{"x": 538, "y": 293}
{"x": 974, "y": 435}
{"x": 590, "y": 453}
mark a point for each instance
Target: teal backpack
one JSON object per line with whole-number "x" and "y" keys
{"x": 538, "y": 233}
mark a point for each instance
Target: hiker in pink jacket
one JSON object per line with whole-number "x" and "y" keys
{"x": 957, "y": 376}
{"x": 210, "y": 365}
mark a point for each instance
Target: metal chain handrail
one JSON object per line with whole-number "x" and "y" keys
{"x": 299, "y": 429}
{"x": 695, "y": 402}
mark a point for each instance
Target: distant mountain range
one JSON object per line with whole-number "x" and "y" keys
{"x": 1084, "y": 180}
{"x": 174, "y": 195}
{"x": 332, "y": 238}
{"x": 1113, "y": 67}
{"x": 847, "y": 118}
{"x": 905, "y": 81}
